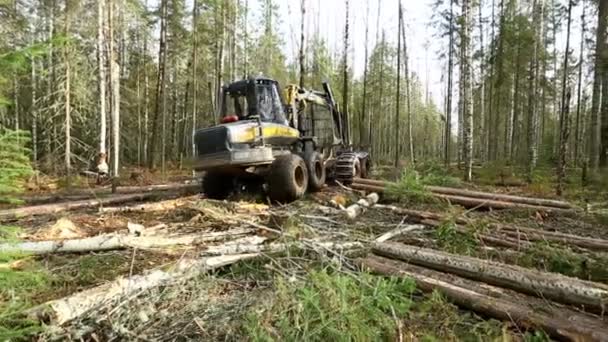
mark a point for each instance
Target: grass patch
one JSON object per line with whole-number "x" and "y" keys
{"x": 409, "y": 189}
{"x": 434, "y": 173}
{"x": 332, "y": 307}
{"x": 436, "y": 319}
{"x": 20, "y": 280}
{"x": 560, "y": 259}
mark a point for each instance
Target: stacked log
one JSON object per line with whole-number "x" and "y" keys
{"x": 476, "y": 199}
{"x": 523, "y": 310}
{"x": 506, "y": 292}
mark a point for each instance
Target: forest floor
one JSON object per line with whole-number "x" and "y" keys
{"x": 308, "y": 290}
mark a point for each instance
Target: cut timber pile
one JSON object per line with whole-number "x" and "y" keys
{"x": 46, "y": 209}
{"x": 557, "y": 287}
{"x": 510, "y": 306}
{"x": 510, "y": 293}
{"x": 476, "y": 199}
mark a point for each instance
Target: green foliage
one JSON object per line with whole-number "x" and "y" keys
{"x": 333, "y": 307}
{"x": 409, "y": 188}
{"x": 453, "y": 241}
{"x": 14, "y": 162}
{"x": 17, "y": 289}
{"x": 434, "y": 173}
{"x": 559, "y": 259}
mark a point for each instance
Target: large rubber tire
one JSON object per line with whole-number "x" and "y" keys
{"x": 366, "y": 167}
{"x": 218, "y": 185}
{"x": 316, "y": 170}
{"x": 287, "y": 179}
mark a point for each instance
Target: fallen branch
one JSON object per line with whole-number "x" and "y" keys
{"x": 74, "y": 306}
{"x": 549, "y": 285}
{"x": 106, "y": 242}
{"x": 499, "y": 303}
{"x": 399, "y": 231}
{"x": 46, "y": 209}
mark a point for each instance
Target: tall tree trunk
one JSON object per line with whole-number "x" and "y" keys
{"x": 603, "y": 152}
{"x": 219, "y": 70}
{"x": 490, "y": 115}
{"x": 101, "y": 79}
{"x": 115, "y": 92}
{"x": 579, "y": 90}
{"x": 194, "y": 73}
{"x": 482, "y": 82}
{"x": 397, "y": 143}
{"x": 515, "y": 116}
{"x": 345, "y": 75}
{"x": 34, "y": 114}
{"x": 564, "y": 122}
{"x": 465, "y": 70}
{"x": 500, "y": 56}
{"x": 67, "y": 90}
{"x": 146, "y": 97}
{"x": 594, "y": 142}
{"x": 448, "y": 109}
{"x": 538, "y": 10}
{"x": 246, "y": 40}
{"x": 301, "y": 57}
{"x": 160, "y": 84}
{"x": 407, "y": 92}
{"x": 362, "y": 139}
{"x": 371, "y": 113}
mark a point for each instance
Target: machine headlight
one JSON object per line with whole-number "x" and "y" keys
{"x": 240, "y": 155}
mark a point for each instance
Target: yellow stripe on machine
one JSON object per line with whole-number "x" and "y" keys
{"x": 248, "y": 134}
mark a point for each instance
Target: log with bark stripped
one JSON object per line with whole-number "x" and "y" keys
{"x": 590, "y": 295}
{"x": 559, "y": 322}
{"x": 107, "y": 242}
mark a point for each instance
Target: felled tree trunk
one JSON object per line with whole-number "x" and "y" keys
{"x": 74, "y": 306}
{"x": 90, "y": 193}
{"x": 46, "y": 209}
{"x": 145, "y": 207}
{"x": 106, "y": 242}
{"x": 548, "y": 285}
{"x": 559, "y": 322}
